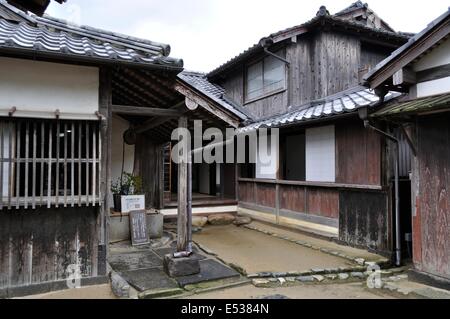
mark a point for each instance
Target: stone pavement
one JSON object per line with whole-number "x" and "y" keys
{"x": 138, "y": 271}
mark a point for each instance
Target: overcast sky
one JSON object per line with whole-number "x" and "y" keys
{"x": 207, "y": 33}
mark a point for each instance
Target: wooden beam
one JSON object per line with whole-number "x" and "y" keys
{"x": 410, "y": 54}
{"x": 143, "y": 111}
{"x": 152, "y": 123}
{"x": 208, "y": 106}
{"x": 435, "y": 73}
{"x": 405, "y": 77}
{"x": 182, "y": 234}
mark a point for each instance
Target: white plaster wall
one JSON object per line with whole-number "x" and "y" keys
{"x": 34, "y": 86}
{"x": 119, "y": 127}
{"x": 267, "y": 159}
{"x": 439, "y": 56}
{"x": 434, "y": 87}
{"x": 321, "y": 154}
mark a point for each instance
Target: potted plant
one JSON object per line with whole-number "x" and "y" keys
{"x": 128, "y": 193}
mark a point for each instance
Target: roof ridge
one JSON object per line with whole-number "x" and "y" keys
{"x": 17, "y": 11}
{"x": 143, "y": 44}
{"x": 195, "y": 73}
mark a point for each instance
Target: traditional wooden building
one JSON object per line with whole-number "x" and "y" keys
{"x": 67, "y": 96}
{"x": 421, "y": 69}
{"x": 60, "y": 85}
{"x": 330, "y": 173}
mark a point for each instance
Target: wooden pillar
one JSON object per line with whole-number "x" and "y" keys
{"x": 182, "y": 234}
{"x": 105, "y": 102}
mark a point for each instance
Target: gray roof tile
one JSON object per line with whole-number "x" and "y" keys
{"x": 56, "y": 37}
{"x": 215, "y": 92}
{"x": 343, "y": 102}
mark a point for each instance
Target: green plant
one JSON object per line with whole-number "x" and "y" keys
{"x": 127, "y": 185}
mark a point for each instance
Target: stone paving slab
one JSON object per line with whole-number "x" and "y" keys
{"x": 209, "y": 270}
{"x": 257, "y": 252}
{"x": 135, "y": 260}
{"x": 149, "y": 279}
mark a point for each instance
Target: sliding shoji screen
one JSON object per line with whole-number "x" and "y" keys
{"x": 49, "y": 163}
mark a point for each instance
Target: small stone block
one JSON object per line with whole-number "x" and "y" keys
{"x": 358, "y": 275}
{"x": 178, "y": 267}
{"x": 305, "y": 278}
{"x": 261, "y": 283}
{"x": 360, "y": 261}
{"x": 343, "y": 276}
{"x": 319, "y": 278}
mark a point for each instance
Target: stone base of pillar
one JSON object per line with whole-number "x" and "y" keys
{"x": 179, "y": 267}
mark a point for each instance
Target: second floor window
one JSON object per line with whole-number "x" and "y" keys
{"x": 265, "y": 77}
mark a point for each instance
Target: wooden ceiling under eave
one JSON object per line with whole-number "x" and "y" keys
{"x": 155, "y": 89}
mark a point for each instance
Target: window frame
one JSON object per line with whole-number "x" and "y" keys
{"x": 281, "y": 52}
{"x": 50, "y": 163}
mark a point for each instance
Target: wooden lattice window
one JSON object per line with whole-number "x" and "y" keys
{"x": 50, "y": 163}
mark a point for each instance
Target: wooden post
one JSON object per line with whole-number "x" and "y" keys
{"x": 182, "y": 234}
{"x": 105, "y": 163}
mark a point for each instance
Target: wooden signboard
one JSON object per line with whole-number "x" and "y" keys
{"x": 138, "y": 228}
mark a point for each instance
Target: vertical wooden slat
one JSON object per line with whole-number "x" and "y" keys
{"x": 94, "y": 159}
{"x": 99, "y": 165}
{"x": 2, "y": 158}
{"x": 65, "y": 165}
{"x": 80, "y": 135}
{"x": 33, "y": 186}
{"x": 42, "y": 162}
{"x": 58, "y": 148}
{"x": 18, "y": 166}
{"x": 27, "y": 159}
{"x": 72, "y": 173}
{"x": 50, "y": 156}
{"x": 87, "y": 164}
{"x": 10, "y": 166}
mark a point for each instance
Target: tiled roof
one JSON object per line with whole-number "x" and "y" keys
{"x": 397, "y": 53}
{"x": 49, "y": 36}
{"x": 341, "y": 103}
{"x": 354, "y": 6}
{"x": 426, "y": 104}
{"x": 213, "y": 91}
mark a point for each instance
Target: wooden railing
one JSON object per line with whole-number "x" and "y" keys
{"x": 293, "y": 197}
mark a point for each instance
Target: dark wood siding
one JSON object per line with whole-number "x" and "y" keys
{"x": 434, "y": 195}
{"x": 149, "y": 164}
{"x": 323, "y": 202}
{"x": 364, "y": 220}
{"x": 293, "y": 198}
{"x": 37, "y": 247}
{"x": 336, "y": 63}
{"x": 358, "y": 154}
{"x": 300, "y": 83}
{"x": 322, "y": 64}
